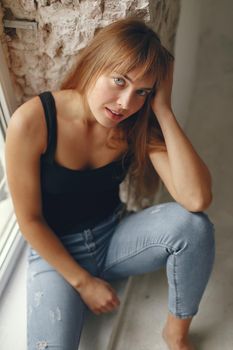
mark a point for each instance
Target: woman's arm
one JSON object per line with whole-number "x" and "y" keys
{"x": 24, "y": 146}
{"x": 183, "y": 172}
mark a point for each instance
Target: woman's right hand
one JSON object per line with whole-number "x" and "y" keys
{"x": 98, "y": 295}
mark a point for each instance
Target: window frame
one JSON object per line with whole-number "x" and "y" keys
{"x": 13, "y": 242}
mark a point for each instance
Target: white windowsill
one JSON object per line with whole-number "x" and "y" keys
{"x": 13, "y": 308}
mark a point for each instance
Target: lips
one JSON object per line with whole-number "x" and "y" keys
{"x": 117, "y": 113}
{"x": 113, "y": 114}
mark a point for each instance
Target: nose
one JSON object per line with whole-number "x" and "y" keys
{"x": 125, "y": 99}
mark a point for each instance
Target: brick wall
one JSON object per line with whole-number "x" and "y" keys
{"x": 40, "y": 58}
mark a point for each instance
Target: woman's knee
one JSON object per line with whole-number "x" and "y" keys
{"x": 194, "y": 227}
{"x": 203, "y": 233}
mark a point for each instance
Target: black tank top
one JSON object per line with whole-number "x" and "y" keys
{"x": 73, "y": 200}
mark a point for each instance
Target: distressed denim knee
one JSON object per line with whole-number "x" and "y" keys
{"x": 190, "y": 262}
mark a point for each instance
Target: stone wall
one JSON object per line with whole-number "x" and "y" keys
{"x": 39, "y": 59}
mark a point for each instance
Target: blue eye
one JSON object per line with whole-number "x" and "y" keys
{"x": 119, "y": 81}
{"x": 142, "y": 92}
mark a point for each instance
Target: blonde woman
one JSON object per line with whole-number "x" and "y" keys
{"x": 67, "y": 152}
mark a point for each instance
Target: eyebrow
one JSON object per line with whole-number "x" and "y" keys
{"x": 143, "y": 88}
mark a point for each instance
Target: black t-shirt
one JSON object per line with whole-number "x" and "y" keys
{"x": 73, "y": 200}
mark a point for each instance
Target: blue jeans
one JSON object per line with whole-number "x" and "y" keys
{"x": 164, "y": 235}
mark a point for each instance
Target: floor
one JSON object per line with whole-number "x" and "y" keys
{"x": 209, "y": 126}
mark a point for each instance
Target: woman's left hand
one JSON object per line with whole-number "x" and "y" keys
{"x": 162, "y": 99}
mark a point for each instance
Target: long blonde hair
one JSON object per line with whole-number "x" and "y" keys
{"x": 123, "y": 46}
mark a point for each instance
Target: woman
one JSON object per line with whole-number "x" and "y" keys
{"x": 111, "y": 120}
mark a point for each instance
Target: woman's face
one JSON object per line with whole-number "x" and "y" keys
{"x": 115, "y": 97}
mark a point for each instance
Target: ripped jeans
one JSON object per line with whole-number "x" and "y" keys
{"x": 120, "y": 246}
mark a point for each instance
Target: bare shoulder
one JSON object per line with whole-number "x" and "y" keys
{"x": 28, "y": 123}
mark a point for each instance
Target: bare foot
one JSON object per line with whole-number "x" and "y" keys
{"x": 176, "y": 344}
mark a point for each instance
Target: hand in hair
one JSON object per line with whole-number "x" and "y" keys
{"x": 162, "y": 100}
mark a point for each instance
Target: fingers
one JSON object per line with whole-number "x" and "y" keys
{"x": 109, "y": 306}
{"x": 104, "y": 309}
{"x": 99, "y": 296}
